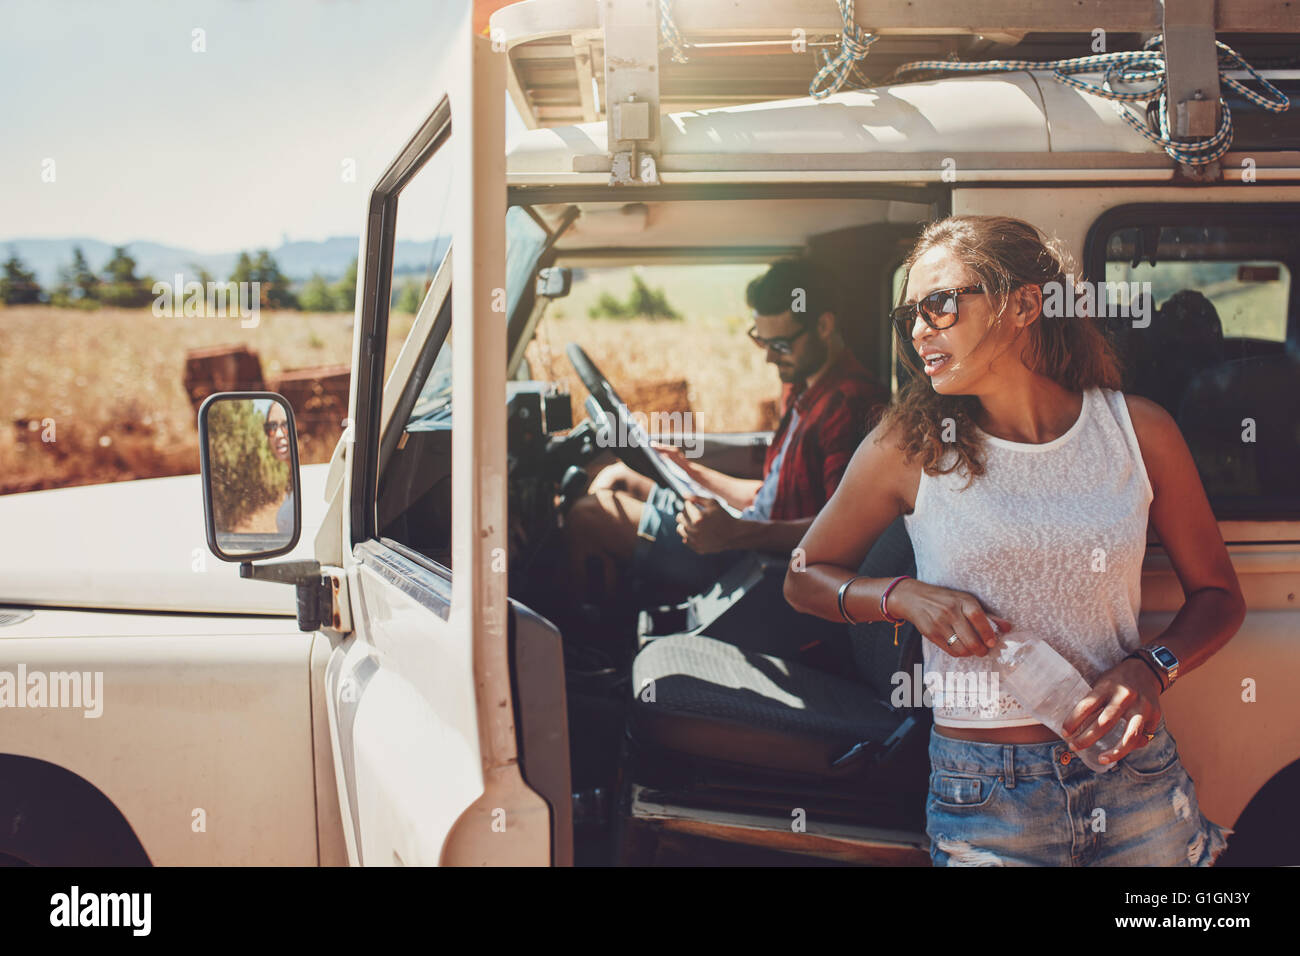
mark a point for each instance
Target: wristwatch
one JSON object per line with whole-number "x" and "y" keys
{"x": 1161, "y": 660}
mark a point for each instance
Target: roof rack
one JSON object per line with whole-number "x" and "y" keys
{"x": 571, "y": 59}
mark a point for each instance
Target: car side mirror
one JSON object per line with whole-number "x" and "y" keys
{"x": 554, "y": 282}
{"x": 252, "y": 494}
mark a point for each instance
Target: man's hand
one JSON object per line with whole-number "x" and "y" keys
{"x": 705, "y": 526}
{"x": 738, "y": 492}
{"x": 677, "y": 456}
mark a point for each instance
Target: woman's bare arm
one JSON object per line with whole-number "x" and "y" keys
{"x": 1213, "y": 608}
{"x": 1183, "y": 520}
{"x": 869, "y": 497}
{"x": 877, "y": 487}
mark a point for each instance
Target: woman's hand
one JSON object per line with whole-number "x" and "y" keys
{"x": 939, "y": 613}
{"x": 1129, "y": 693}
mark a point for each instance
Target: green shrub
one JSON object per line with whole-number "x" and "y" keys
{"x": 643, "y": 302}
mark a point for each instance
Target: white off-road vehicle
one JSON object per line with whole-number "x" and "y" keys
{"x": 385, "y": 677}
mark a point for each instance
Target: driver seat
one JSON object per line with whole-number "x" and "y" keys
{"x": 709, "y": 701}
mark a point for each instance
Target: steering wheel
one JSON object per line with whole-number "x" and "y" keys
{"x": 606, "y": 410}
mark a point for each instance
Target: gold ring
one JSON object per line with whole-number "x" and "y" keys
{"x": 1150, "y": 737}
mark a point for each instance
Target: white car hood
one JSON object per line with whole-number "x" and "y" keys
{"x": 135, "y": 545}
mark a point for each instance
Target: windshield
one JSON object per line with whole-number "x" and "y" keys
{"x": 525, "y": 240}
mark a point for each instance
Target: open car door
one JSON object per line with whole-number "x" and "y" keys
{"x": 419, "y": 695}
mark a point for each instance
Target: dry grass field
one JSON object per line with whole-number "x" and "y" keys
{"x": 92, "y": 397}
{"x": 729, "y": 387}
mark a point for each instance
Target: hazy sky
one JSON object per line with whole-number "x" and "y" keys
{"x": 234, "y": 147}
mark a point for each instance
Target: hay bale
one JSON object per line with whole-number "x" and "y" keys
{"x": 221, "y": 368}
{"x": 319, "y": 399}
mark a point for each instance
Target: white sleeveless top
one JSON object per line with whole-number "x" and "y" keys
{"x": 1051, "y": 537}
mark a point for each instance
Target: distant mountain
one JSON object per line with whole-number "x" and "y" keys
{"x": 298, "y": 260}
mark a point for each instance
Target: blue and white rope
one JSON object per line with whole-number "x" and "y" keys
{"x": 1146, "y": 65}
{"x": 1120, "y": 69}
{"x": 854, "y": 44}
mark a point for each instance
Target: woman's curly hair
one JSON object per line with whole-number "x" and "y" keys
{"x": 1005, "y": 254}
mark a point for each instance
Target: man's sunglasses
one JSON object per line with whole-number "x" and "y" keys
{"x": 781, "y": 345}
{"x": 938, "y": 310}
{"x": 272, "y": 427}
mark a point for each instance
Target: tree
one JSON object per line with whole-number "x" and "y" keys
{"x": 273, "y": 285}
{"x": 120, "y": 266}
{"x": 316, "y": 295}
{"x": 345, "y": 290}
{"x": 121, "y": 286}
{"x": 643, "y": 301}
{"x": 78, "y": 285}
{"x": 409, "y": 297}
{"x": 18, "y": 286}
{"x": 243, "y": 269}
{"x": 651, "y": 303}
{"x": 607, "y": 306}
{"x": 201, "y": 275}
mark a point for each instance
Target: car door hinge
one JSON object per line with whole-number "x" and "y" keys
{"x": 336, "y": 609}
{"x": 323, "y": 602}
{"x": 321, "y": 592}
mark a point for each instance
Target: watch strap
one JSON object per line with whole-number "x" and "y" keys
{"x": 1155, "y": 669}
{"x": 1162, "y": 675}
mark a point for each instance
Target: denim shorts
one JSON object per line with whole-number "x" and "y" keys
{"x": 662, "y": 557}
{"x": 1041, "y": 805}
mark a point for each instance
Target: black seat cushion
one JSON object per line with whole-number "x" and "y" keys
{"x": 725, "y": 701}
{"x": 876, "y": 655}
{"x": 711, "y": 699}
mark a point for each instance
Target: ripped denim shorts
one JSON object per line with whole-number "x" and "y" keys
{"x": 1041, "y": 805}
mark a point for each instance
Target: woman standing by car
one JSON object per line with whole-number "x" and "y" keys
{"x": 1027, "y": 481}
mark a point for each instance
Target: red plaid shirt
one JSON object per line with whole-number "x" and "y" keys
{"x": 834, "y": 416}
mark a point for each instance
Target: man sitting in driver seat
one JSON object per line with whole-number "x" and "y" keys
{"x": 829, "y": 402}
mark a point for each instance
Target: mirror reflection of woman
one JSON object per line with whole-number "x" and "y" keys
{"x": 277, "y": 436}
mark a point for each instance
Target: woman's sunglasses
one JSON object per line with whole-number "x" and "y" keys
{"x": 272, "y": 427}
{"x": 938, "y": 310}
{"x": 782, "y": 345}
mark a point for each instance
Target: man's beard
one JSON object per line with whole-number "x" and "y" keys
{"x": 813, "y": 358}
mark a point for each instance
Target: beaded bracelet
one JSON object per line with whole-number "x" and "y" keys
{"x": 884, "y": 611}
{"x": 884, "y": 596}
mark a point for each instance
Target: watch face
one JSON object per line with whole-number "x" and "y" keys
{"x": 1165, "y": 657}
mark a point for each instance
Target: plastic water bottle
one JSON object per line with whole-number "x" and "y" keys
{"x": 1048, "y": 686}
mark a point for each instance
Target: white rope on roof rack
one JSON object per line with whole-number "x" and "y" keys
{"x": 1135, "y": 66}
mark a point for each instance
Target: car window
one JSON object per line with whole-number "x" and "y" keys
{"x": 413, "y": 505}
{"x": 897, "y": 371}
{"x": 525, "y": 240}
{"x": 1217, "y": 346}
{"x": 422, "y": 241}
{"x": 670, "y": 338}
{"x": 415, "y": 493}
